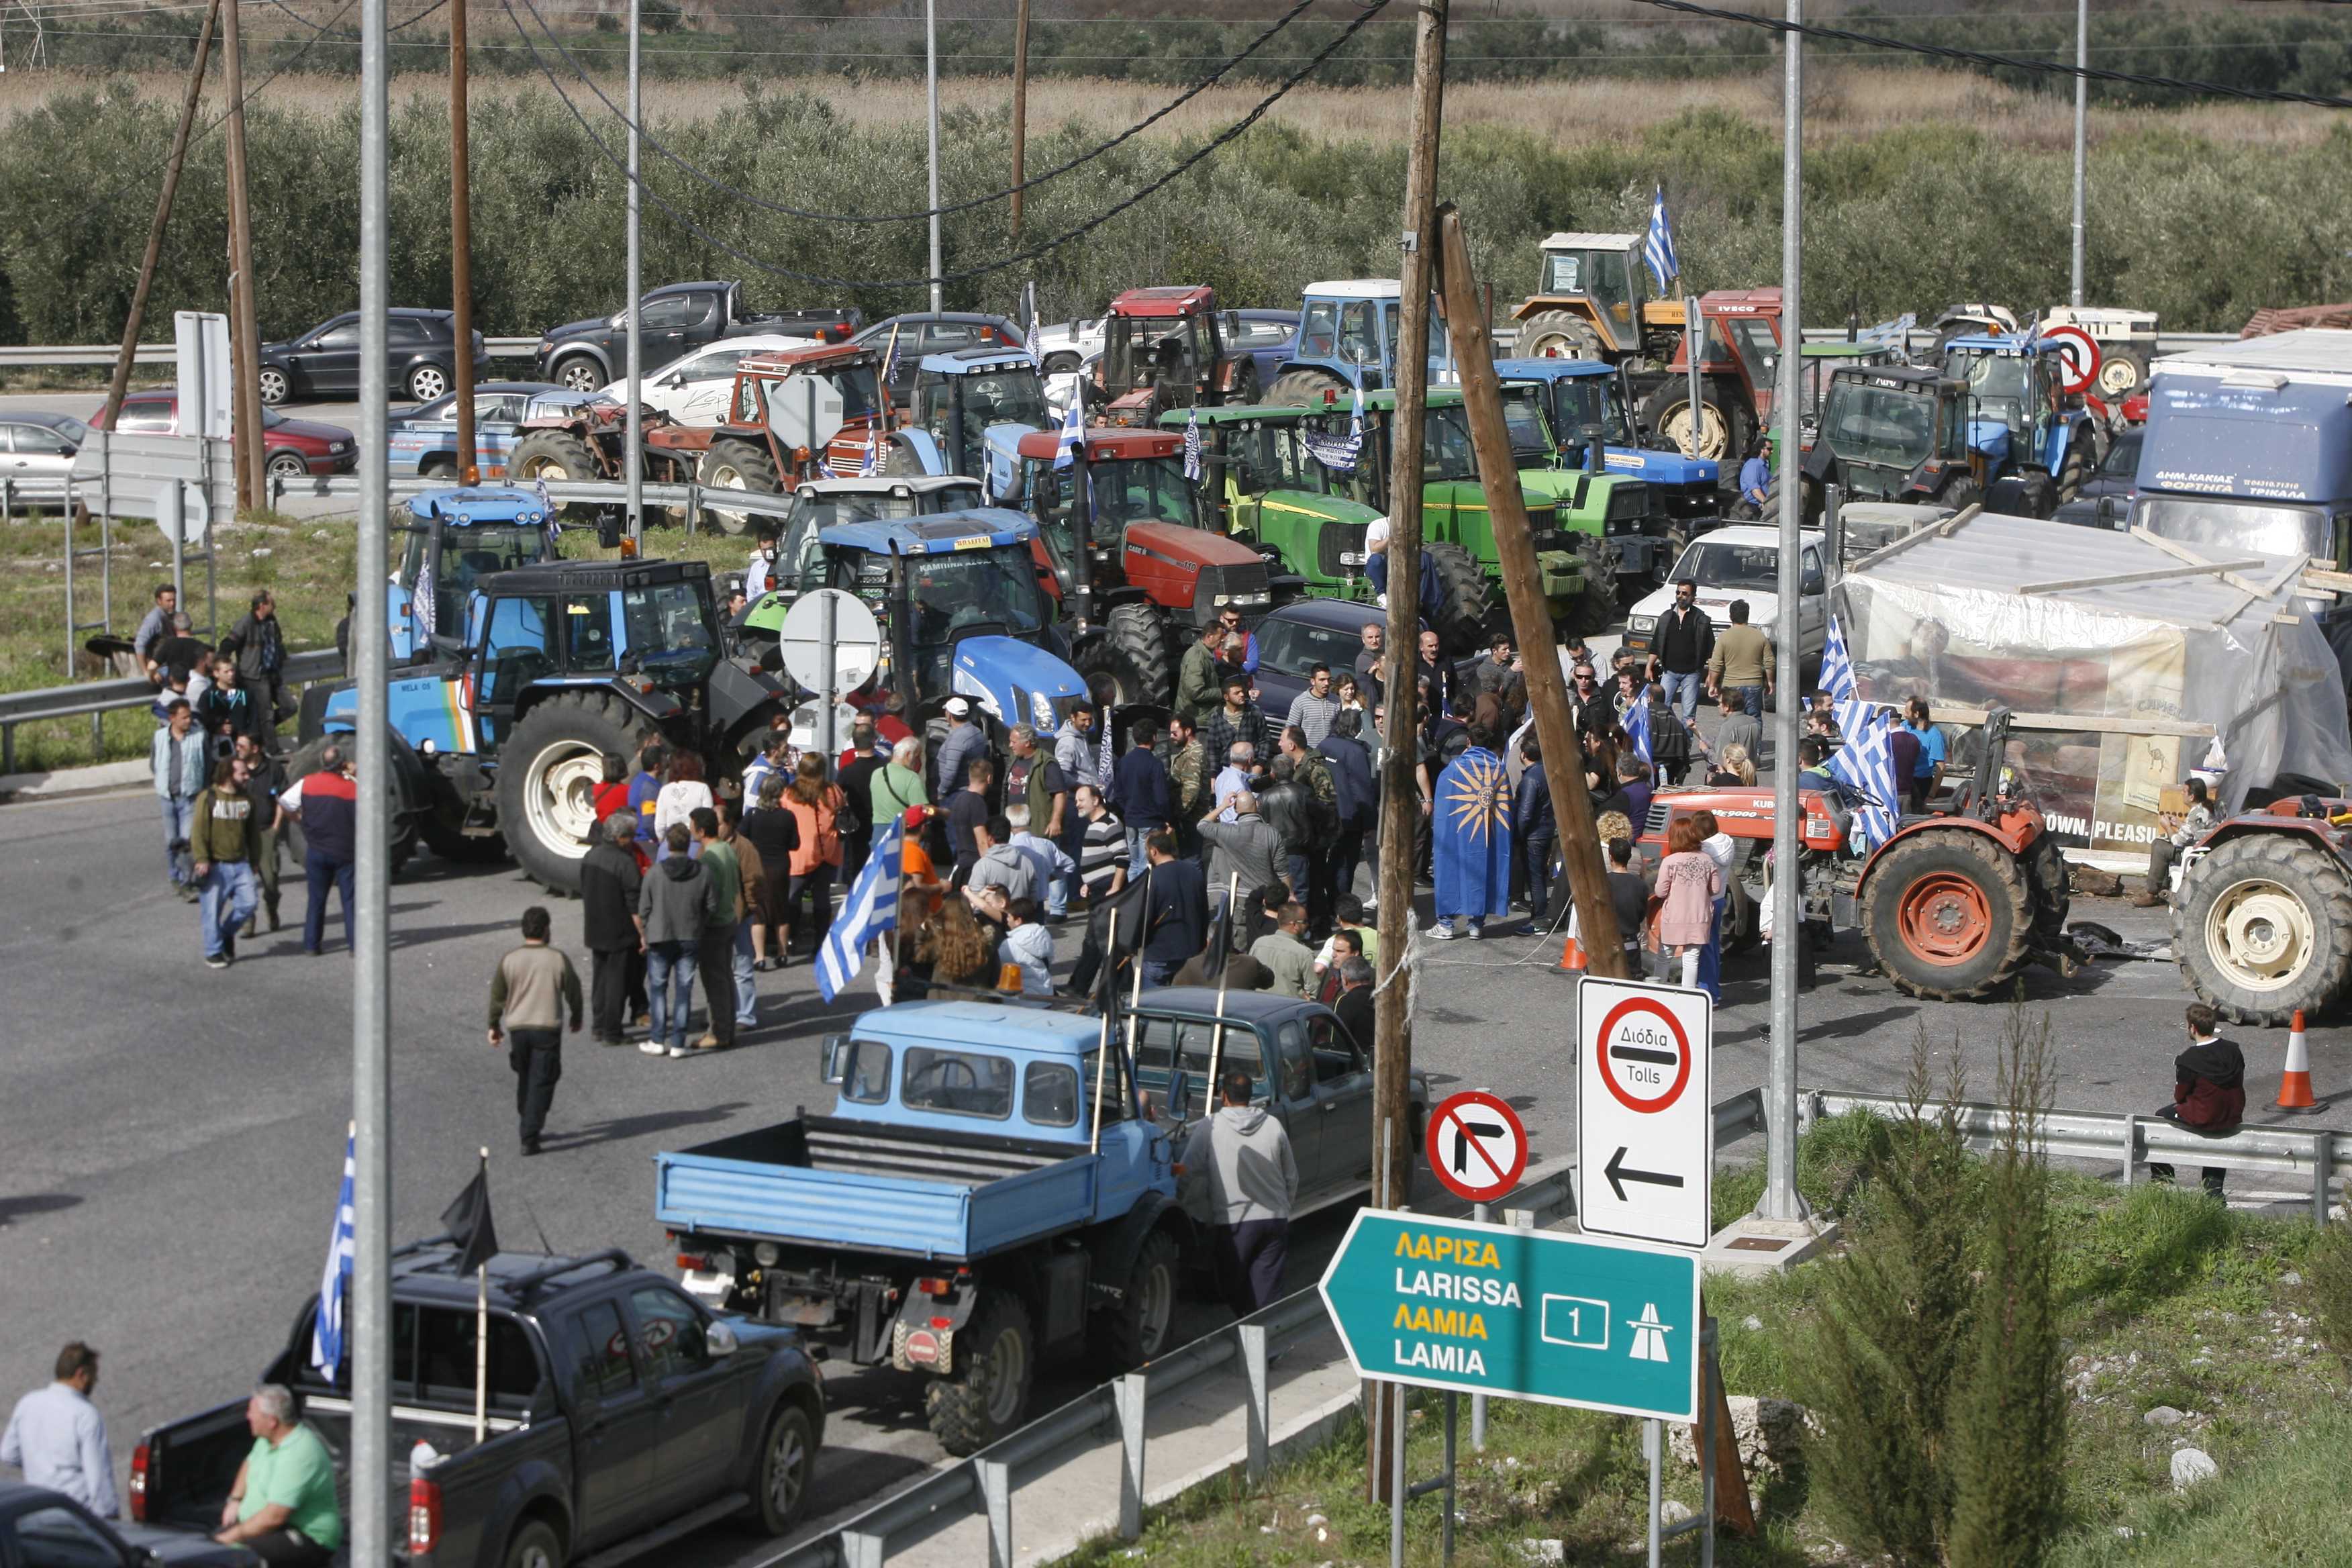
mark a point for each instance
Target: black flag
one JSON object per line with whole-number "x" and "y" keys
{"x": 468, "y": 1222}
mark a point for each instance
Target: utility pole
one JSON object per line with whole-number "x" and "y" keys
{"x": 931, "y": 85}
{"x": 1400, "y": 823}
{"x": 1020, "y": 113}
{"x": 2081, "y": 139}
{"x": 461, "y": 246}
{"x": 1482, "y": 398}
{"x": 249, "y": 451}
{"x": 121, "y": 380}
{"x": 633, "y": 463}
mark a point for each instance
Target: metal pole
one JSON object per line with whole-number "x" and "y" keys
{"x": 2082, "y": 138}
{"x": 931, "y": 88}
{"x": 1694, "y": 349}
{"x": 1653, "y": 1434}
{"x": 1781, "y": 1199}
{"x": 1020, "y": 124}
{"x": 633, "y": 462}
{"x": 244, "y": 331}
{"x": 832, "y": 678}
{"x": 1453, "y": 1409}
{"x": 1478, "y": 1212}
{"x": 1709, "y": 1373}
{"x": 371, "y": 1539}
{"x": 461, "y": 247}
{"x": 1397, "y": 1488}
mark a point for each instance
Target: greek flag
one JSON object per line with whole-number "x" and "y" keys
{"x": 871, "y": 910}
{"x": 420, "y": 598}
{"x": 1192, "y": 443}
{"x": 1658, "y": 250}
{"x": 1074, "y": 426}
{"x": 1837, "y": 668}
{"x": 547, "y": 511}
{"x": 1637, "y": 724}
{"x": 1340, "y": 453}
{"x": 873, "y": 463}
{"x": 1865, "y": 766}
{"x": 326, "y": 1331}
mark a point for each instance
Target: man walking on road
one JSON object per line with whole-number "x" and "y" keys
{"x": 674, "y": 903}
{"x": 222, "y": 841}
{"x": 1241, "y": 1180}
{"x": 1742, "y": 662}
{"x": 176, "y": 758}
{"x": 1685, "y": 642}
{"x": 609, "y": 883}
{"x": 532, "y": 988}
{"x": 327, "y": 804}
{"x": 261, "y": 783}
{"x": 57, "y": 1438}
{"x": 715, "y": 955}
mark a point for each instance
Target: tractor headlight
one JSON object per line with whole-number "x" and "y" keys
{"x": 464, "y": 519}
{"x": 765, "y": 1254}
{"x": 1221, "y": 600}
{"x": 424, "y": 748}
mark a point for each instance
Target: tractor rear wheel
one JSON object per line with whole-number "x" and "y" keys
{"x": 2074, "y": 470}
{"x": 1723, "y": 424}
{"x": 2263, "y": 926}
{"x": 556, "y": 455}
{"x": 1131, "y": 655}
{"x": 735, "y": 466}
{"x": 550, "y": 769}
{"x": 986, "y": 1393}
{"x": 1959, "y": 493}
{"x": 1949, "y": 913}
{"x": 2037, "y": 495}
{"x": 2121, "y": 372}
{"x": 1304, "y": 388}
{"x": 1461, "y": 618}
{"x": 1810, "y": 500}
{"x": 1558, "y": 335}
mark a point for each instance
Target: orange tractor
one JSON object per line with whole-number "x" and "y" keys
{"x": 1954, "y": 905}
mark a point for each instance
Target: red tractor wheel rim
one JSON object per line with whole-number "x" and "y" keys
{"x": 1944, "y": 918}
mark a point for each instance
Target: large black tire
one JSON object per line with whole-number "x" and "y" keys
{"x": 1461, "y": 619}
{"x": 1949, "y": 914}
{"x": 1810, "y": 502}
{"x": 2053, "y": 891}
{"x": 443, "y": 832}
{"x": 787, "y": 1462}
{"x": 1959, "y": 493}
{"x": 577, "y": 373}
{"x": 2074, "y": 471}
{"x": 1137, "y": 636}
{"x": 535, "y": 1545}
{"x": 556, "y": 455}
{"x": 1305, "y": 387}
{"x": 1726, "y": 423}
{"x": 549, "y": 768}
{"x": 1130, "y": 1331}
{"x": 735, "y": 466}
{"x": 2037, "y": 495}
{"x": 2121, "y": 372}
{"x": 2263, "y": 927}
{"x": 1557, "y": 334}
{"x": 987, "y": 1394}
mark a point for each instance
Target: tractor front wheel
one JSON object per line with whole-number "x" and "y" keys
{"x": 2263, "y": 927}
{"x": 736, "y": 466}
{"x": 550, "y": 769}
{"x": 1949, "y": 914}
{"x": 556, "y": 455}
{"x": 1461, "y": 618}
{"x": 1724, "y": 424}
{"x": 1558, "y": 335}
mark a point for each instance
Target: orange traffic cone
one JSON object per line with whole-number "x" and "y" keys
{"x": 1572, "y": 955}
{"x": 2294, "y": 1084}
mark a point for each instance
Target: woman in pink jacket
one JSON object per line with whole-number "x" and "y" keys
{"x": 1689, "y": 882}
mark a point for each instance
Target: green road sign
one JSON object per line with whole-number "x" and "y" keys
{"x": 1521, "y": 1314}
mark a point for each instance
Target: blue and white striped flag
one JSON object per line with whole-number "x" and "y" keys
{"x": 424, "y": 611}
{"x": 1837, "y": 668}
{"x": 1340, "y": 453}
{"x": 1864, "y": 764}
{"x": 326, "y": 1331}
{"x": 1637, "y": 725}
{"x": 872, "y": 464}
{"x": 1658, "y": 249}
{"x": 1074, "y": 426}
{"x": 871, "y": 910}
{"x": 1192, "y": 443}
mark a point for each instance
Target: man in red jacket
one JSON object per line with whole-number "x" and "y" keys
{"x": 2208, "y": 1089}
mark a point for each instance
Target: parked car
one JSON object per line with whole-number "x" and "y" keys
{"x": 42, "y": 1529}
{"x": 1299, "y": 636}
{"x": 36, "y": 455}
{"x": 1742, "y": 561}
{"x": 297, "y": 448}
{"x": 1264, "y": 335}
{"x": 696, "y": 387}
{"x": 679, "y": 318}
{"x": 424, "y": 441}
{"x": 1061, "y": 346}
{"x": 925, "y": 333}
{"x": 420, "y": 357}
{"x": 621, "y": 1412}
{"x": 2104, "y": 501}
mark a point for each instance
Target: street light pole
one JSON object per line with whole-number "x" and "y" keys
{"x": 634, "y": 460}
{"x": 2082, "y": 138}
{"x": 931, "y": 85}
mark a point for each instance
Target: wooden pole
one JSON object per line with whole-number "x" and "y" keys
{"x": 1400, "y": 794}
{"x": 461, "y": 248}
{"x": 249, "y": 452}
{"x": 1224, "y": 967}
{"x": 1571, "y": 804}
{"x": 121, "y": 380}
{"x": 1019, "y": 108}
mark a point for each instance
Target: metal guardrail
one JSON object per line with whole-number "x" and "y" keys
{"x": 2133, "y": 1139}
{"x": 29, "y": 355}
{"x": 692, "y": 500}
{"x": 99, "y": 697}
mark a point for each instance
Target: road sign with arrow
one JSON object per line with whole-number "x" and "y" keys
{"x": 1644, "y": 1121}
{"x": 1477, "y": 1148}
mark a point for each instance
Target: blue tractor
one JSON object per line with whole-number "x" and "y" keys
{"x": 1583, "y": 398}
{"x": 962, "y": 398}
{"x": 2034, "y": 444}
{"x": 452, "y": 540}
{"x": 1346, "y": 339}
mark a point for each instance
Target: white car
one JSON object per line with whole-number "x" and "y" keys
{"x": 695, "y": 389}
{"x": 1742, "y": 562}
{"x": 1061, "y": 346}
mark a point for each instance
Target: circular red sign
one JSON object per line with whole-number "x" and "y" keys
{"x": 1477, "y": 1147}
{"x": 2081, "y": 356}
{"x": 1674, "y": 1090}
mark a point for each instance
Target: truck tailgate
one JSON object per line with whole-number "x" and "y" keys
{"x": 863, "y": 1187}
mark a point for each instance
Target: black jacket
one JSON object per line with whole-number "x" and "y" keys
{"x": 1285, "y": 806}
{"x": 1683, "y": 641}
{"x": 608, "y": 899}
{"x": 1351, "y": 777}
{"x": 1175, "y": 911}
{"x": 1355, "y": 1010}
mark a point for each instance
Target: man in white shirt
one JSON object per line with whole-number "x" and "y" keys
{"x": 57, "y": 1438}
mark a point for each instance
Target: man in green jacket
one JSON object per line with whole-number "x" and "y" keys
{"x": 715, "y": 955}
{"x": 222, "y": 839}
{"x": 1198, "y": 678}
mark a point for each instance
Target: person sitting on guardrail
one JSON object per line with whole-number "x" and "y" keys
{"x": 2208, "y": 1087}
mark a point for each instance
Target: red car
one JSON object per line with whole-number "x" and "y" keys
{"x": 297, "y": 448}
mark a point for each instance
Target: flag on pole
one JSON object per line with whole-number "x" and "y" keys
{"x": 873, "y": 463}
{"x": 1837, "y": 668}
{"x": 1340, "y": 453}
{"x": 468, "y": 1222}
{"x": 871, "y": 910}
{"x": 1864, "y": 764}
{"x": 327, "y": 1329}
{"x": 1074, "y": 427}
{"x": 1192, "y": 465}
{"x": 422, "y": 608}
{"x": 1658, "y": 249}
{"x": 1637, "y": 725}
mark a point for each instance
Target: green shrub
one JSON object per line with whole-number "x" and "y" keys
{"x": 2327, "y": 1271}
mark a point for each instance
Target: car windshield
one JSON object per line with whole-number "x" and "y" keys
{"x": 813, "y": 513}
{"x": 442, "y": 407}
{"x": 2123, "y": 458}
{"x": 1713, "y": 563}
{"x": 2223, "y": 524}
{"x": 1878, "y": 426}
{"x": 956, "y": 589}
{"x": 1138, "y": 490}
{"x": 72, "y": 431}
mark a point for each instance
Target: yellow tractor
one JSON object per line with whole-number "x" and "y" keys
{"x": 1589, "y": 303}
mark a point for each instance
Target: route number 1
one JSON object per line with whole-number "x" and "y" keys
{"x": 1578, "y": 1321}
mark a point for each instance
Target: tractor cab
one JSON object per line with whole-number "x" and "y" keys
{"x": 959, "y": 397}
{"x": 1261, "y": 482}
{"x": 1892, "y": 433}
{"x": 1164, "y": 348}
{"x": 821, "y": 504}
{"x": 1817, "y": 362}
{"x": 1580, "y": 398}
{"x": 2034, "y": 443}
{"x": 452, "y": 541}
{"x": 1346, "y": 339}
{"x": 1591, "y": 301}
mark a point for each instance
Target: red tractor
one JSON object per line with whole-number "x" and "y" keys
{"x": 1161, "y": 349}
{"x": 1953, "y": 906}
{"x": 2262, "y": 921}
{"x": 1154, "y": 570}
{"x": 1739, "y": 358}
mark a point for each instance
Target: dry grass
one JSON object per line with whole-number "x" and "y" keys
{"x": 1841, "y": 102}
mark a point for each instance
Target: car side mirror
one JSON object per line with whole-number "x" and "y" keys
{"x": 2110, "y": 510}
{"x": 1180, "y": 1095}
{"x": 721, "y": 1339}
{"x": 835, "y": 1063}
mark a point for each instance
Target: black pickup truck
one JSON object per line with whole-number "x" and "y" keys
{"x": 679, "y": 318}
{"x": 622, "y": 1414}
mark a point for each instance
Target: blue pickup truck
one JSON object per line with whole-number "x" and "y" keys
{"x": 963, "y": 1213}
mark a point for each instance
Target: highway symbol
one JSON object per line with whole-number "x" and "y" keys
{"x": 1644, "y": 1126}
{"x": 1649, "y": 1335}
{"x": 1477, "y": 1147}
